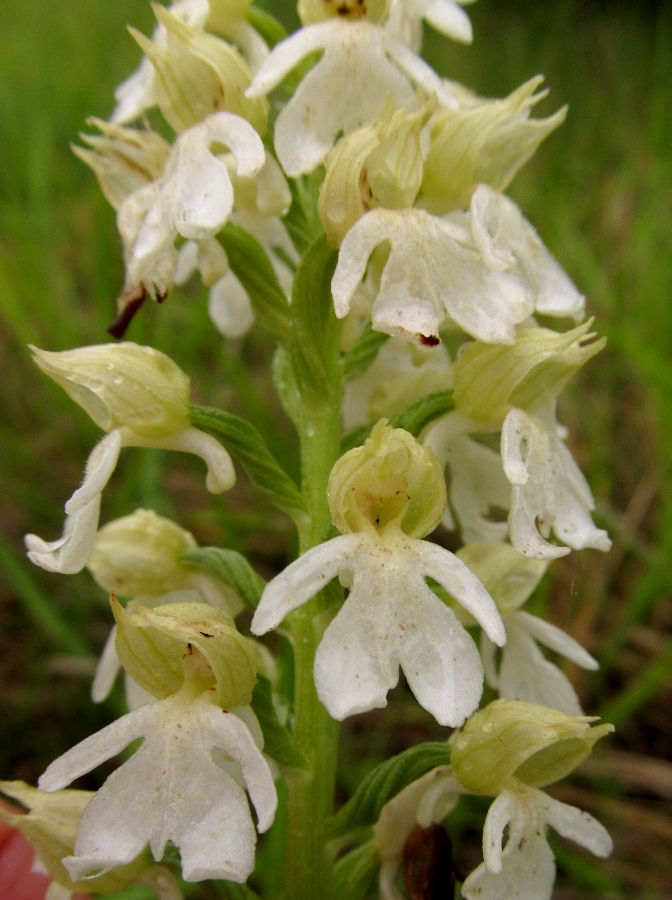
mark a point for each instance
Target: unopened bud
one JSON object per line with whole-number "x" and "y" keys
{"x": 491, "y": 378}
{"x": 154, "y": 646}
{"x": 510, "y": 739}
{"x": 391, "y": 479}
{"x": 123, "y": 384}
{"x": 139, "y": 555}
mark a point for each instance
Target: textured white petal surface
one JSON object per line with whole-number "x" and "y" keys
{"x": 577, "y": 825}
{"x": 302, "y": 580}
{"x": 221, "y": 474}
{"x": 170, "y": 789}
{"x": 431, "y": 273}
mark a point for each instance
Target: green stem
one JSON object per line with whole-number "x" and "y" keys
{"x": 308, "y": 871}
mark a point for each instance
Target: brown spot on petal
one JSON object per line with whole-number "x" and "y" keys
{"x": 429, "y": 340}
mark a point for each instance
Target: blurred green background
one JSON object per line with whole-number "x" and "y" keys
{"x": 600, "y": 193}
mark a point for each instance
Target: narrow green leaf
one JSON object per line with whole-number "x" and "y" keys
{"x": 250, "y": 264}
{"x": 356, "y": 361}
{"x": 245, "y": 442}
{"x": 268, "y": 27}
{"x": 413, "y": 418}
{"x": 314, "y": 346}
{"x": 384, "y": 783}
{"x": 230, "y": 567}
{"x": 278, "y": 742}
{"x": 38, "y": 606}
{"x": 285, "y": 385}
{"x": 418, "y": 415}
{"x": 355, "y": 873}
{"x": 302, "y": 221}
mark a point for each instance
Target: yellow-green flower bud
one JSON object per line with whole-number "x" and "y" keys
{"x": 510, "y": 739}
{"x": 378, "y": 165}
{"x": 152, "y": 645}
{"x": 124, "y": 159}
{"x": 311, "y": 11}
{"x": 482, "y": 142}
{"x": 392, "y": 479}
{"x": 51, "y": 829}
{"x": 491, "y": 378}
{"x": 509, "y": 577}
{"x": 139, "y": 555}
{"x": 198, "y": 74}
{"x": 123, "y": 384}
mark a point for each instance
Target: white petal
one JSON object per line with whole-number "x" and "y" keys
{"x": 386, "y": 885}
{"x": 57, "y": 892}
{"x": 449, "y": 19}
{"x": 577, "y": 825}
{"x": 342, "y": 92}
{"x": 187, "y": 262}
{"x": 107, "y": 669}
{"x": 69, "y": 553}
{"x": 221, "y": 474}
{"x": 461, "y": 583}
{"x": 502, "y": 812}
{"x": 99, "y": 468}
{"x": 229, "y": 307}
{"x": 418, "y": 71}
{"x": 528, "y": 873}
{"x": 556, "y": 639}
{"x": 93, "y": 751}
{"x": 525, "y": 675}
{"x": 488, "y": 652}
{"x": 302, "y": 580}
{"x": 136, "y": 696}
{"x": 287, "y": 55}
{"x": 232, "y": 735}
{"x": 477, "y": 484}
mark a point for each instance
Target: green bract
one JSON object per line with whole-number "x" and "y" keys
{"x": 152, "y": 643}
{"x": 512, "y": 739}
{"x": 391, "y": 479}
{"x": 122, "y": 384}
{"x": 509, "y": 577}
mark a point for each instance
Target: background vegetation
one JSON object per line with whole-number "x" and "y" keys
{"x": 600, "y": 193}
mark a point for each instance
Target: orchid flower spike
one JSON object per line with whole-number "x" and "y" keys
{"x": 345, "y": 90}
{"x": 509, "y": 750}
{"x": 523, "y": 673}
{"x": 383, "y": 497}
{"x": 141, "y": 398}
{"x": 173, "y": 787}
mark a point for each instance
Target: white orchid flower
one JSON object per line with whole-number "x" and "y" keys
{"x": 525, "y": 867}
{"x": 361, "y": 65}
{"x": 434, "y": 271}
{"x": 141, "y": 398}
{"x": 192, "y": 199}
{"x": 170, "y": 789}
{"x": 548, "y": 489}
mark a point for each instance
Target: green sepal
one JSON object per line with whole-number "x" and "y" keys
{"x": 245, "y": 442}
{"x": 355, "y": 873}
{"x": 230, "y": 567}
{"x": 412, "y": 418}
{"x": 250, "y": 264}
{"x": 384, "y": 783}
{"x": 314, "y": 347}
{"x": 356, "y": 361}
{"x": 267, "y": 25}
{"x": 302, "y": 220}
{"x": 278, "y": 743}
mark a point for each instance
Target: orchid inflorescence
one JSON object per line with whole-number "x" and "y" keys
{"x": 331, "y": 188}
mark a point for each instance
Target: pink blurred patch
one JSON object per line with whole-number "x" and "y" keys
{"x": 17, "y": 881}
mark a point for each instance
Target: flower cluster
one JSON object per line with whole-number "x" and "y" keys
{"x": 337, "y": 190}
